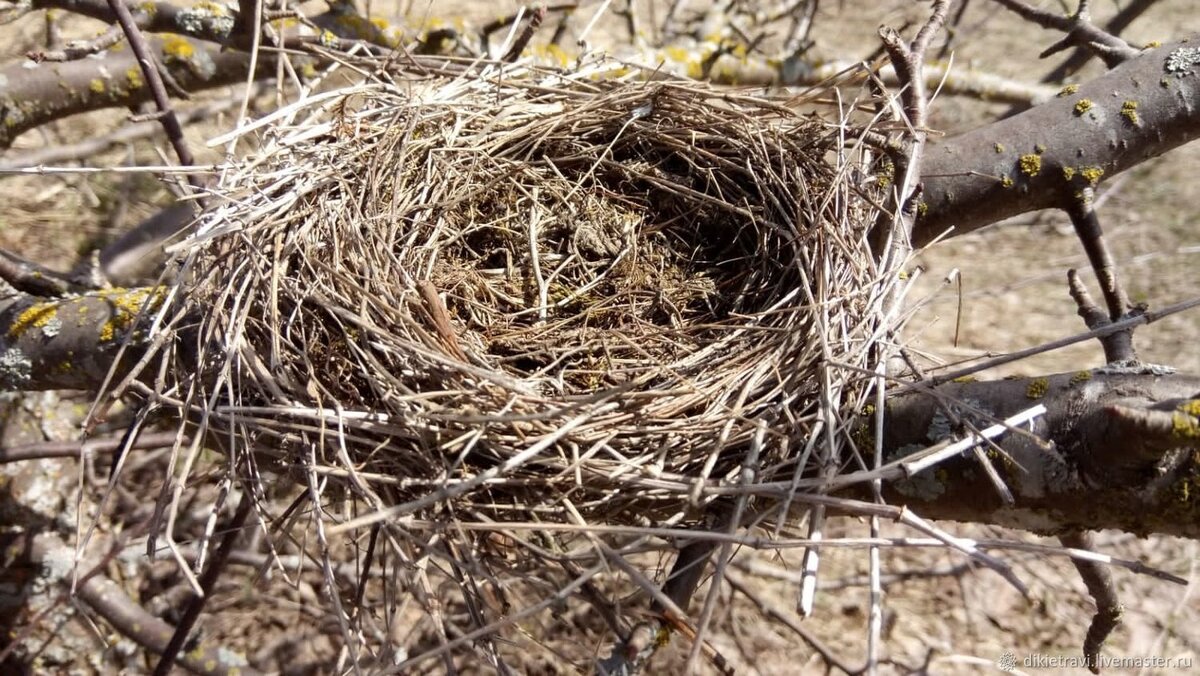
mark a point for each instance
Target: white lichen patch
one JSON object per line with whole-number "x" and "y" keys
{"x": 15, "y": 368}
{"x": 232, "y": 658}
{"x": 57, "y": 564}
{"x": 52, "y": 327}
{"x": 1181, "y": 61}
{"x": 205, "y": 20}
{"x": 1137, "y": 368}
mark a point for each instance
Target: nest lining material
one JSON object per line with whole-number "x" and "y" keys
{"x": 511, "y": 290}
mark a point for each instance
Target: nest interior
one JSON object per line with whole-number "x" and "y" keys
{"x": 507, "y": 291}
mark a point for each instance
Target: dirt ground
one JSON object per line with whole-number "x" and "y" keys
{"x": 942, "y": 616}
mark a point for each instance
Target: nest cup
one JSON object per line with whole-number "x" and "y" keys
{"x": 511, "y": 292}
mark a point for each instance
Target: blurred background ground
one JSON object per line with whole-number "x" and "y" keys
{"x": 942, "y": 616}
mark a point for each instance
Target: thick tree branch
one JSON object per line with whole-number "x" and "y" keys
{"x": 109, "y": 601}
{"x": 33, "y": 94}
{"x": 69, "y": 343}
{"x": 1122, "y": 453}
{"x": 1079, "y": 29}
{"x": 1041, "y": 158}
{"x": 1117, "y": 25}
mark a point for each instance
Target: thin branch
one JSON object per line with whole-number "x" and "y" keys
{"x": 909, "y": 62}
{"x": 774, "y": 612}
{"x": 1117, "y": 25}
{"x": 150, "y": 68}
{"x": 1079, "y": 29}
{"x": 1147, "y": 317}
{"x": 86, "y": 148}
{"x": 36, "y": 280}
{"x": 80, "y": 49}
{"x": 1091, "y": 235}
{"x": 536, "y": 16}
{"x": 208, "y": 581}
{"x": 1118, "y": 347}
{"x": 1099, "y": 582}
{"x": 75, "y": 449}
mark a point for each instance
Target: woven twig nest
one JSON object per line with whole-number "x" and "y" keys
{"x": 527, "y": 295}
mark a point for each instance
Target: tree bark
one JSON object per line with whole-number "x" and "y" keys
{"x": 1041, "y": 158}
{"x": 1114, "y": 450}
{"x": 71, "y": 343}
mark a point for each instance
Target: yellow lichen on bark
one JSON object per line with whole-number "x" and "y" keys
{"x": 126, "y": 304}
{"x": 177, "y": 48}
{"x": 1031, "y": 164}
{"x": 37, "y": 316}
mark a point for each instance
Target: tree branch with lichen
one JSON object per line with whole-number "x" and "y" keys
{"x": 32, "y": 94}
{"x": 1114, "y": 450}
{"x": 1041, "y": 158}
{"x": 71, "y": 343}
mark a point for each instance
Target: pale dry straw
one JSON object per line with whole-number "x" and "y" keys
{"x": 513, "y": 296}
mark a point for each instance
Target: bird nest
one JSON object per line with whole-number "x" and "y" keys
{"x": 534, "y": 296}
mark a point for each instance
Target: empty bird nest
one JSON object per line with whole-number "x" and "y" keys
{"x": 509, "y": 294}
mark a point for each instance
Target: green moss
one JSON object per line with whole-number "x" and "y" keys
{"x": 966, "y": 379}
{"x": 1006, "y": 182}
{"x": 1068, "y": 90}
{"x": 1030, "y": 165}
{"x": 1037, "y": 388}
{"x": 96, "y": 85}
{"x": 1081, "y": 376}
{"x": 1083, "y": 105}
{"x": 1068, "y": 173}
{"x": 999, "y": 148}
{"x": 134, "y": 77}
{"x": 1129, "y": 111}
